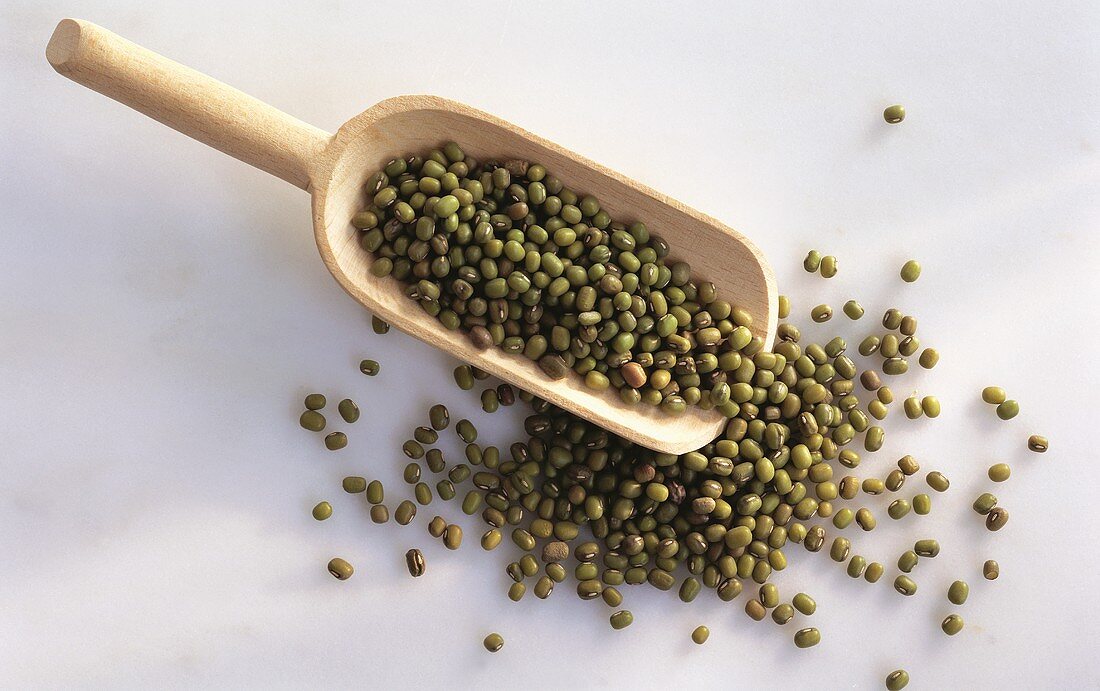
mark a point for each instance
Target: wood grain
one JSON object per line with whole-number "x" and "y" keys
{"x": 334, "y": 169}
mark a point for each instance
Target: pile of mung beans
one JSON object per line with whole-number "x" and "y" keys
{"x": 507, "y": 253}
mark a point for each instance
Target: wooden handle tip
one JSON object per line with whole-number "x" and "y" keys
{"x": 63, "y": 44}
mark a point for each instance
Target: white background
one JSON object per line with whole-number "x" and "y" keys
{"x": 163, "y": 311}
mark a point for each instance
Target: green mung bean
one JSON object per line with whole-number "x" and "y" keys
{"x": 891, "y": 319}
{"x": 926, "y": 548}
{"x": 353, "y": 484}
{"x": 405, "y": 512}
{"x": 804, "y": 604}
{"x": 922, "y": 504}
{"x": 379, "y": 513}
{"x": 425, "y": 435}
{"x": 700, "y": 635}
{"x": 621, "y": 619}
{"x": 856, "y": 566}
{"x": 807, "y": 638}
{"x": 839, "y": 551}
{"x": 336, "y": 441}
{"x": 990, "y": 570}
{"x": 821, "y": 313}
{"x": 931, "y": 406}
{"x": 464, "y": 377}
{"x": 340, "y": 569}
{"x": 544, "y": 587}
{"x": 893, "y": 115}
{"x": 895, "y": 366}
{"x": 994, "y": 395}
{"x": 828, "y": 266}
{"x": 414, "y": 560}
{"x": 897, "y": 680}
{"x": 375, "y": 492}
{"x": 907, "y": 561}
{"x": 996, "y": 518}
{"x": 783, "y": 614}
{"x": 899, "y": 508}
{"x": 910, "y": 270}
{"x": 952, "y": 624}
{"x": 928, "y": 358}
{"x": 873, "y": 485}
{"x": 912, "y": 407}
{"x": 315, "y": 401}
{"x": 322, "y": 511}
{"x": 1037, "y": 443}
{"x": 436, "y": 462}
{"x": 985, "y": 503}
{"x": 958, "y": 592}
{"x": 312, "y": 421}
{"x": 491, "y": 539}
{"x": 516, "y": 591}
{"x": 937, "y": 481}
{"x": 999, "y": 472}
{"x": 729, "y": 589}
{"x": 493, "y": 642}
{"x": 865, "y": 519}
{"x": 853, "y": 310}
{"x": 755, "y": 610}
{"x": 905, "y": 585}
{"x": 439, "y": 417}
{"x": 874, "y": 572}
{"x": 1008, "y": 409}
{"x": 784, "y": 306}
{"x": 348, "y": 410}
{"x": 379, "y": 326}
{"x": 895, "y": 479}
{"x": 370, "y": 368}
{"x": 466, "y": 431}
{"x": 452, "y": 536}
{"x": 908, "y": 465}
{"x": 812, "y": 262}
{"x": 437, "y": 526}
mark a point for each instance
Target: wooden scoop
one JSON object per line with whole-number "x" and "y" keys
{"x": 334, "y": 168}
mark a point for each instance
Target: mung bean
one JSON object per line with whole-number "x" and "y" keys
{"x": 340, "y": 569}
{"x": 807, "y": 638}
{"x": 952, "y": 624}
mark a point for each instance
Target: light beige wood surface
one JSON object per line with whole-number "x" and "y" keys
{"x": 333, "y": 168}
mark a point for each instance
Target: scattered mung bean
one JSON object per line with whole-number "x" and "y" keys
{"x": 999, "y": 472}
{"x": 897, "y": 680}
{"x": 958, "y": 592}
{"x": 312, "y": 421}
{"x": 621, "y": 619}
{"x": 1037, "y": 443}
{"x": 910, "y": 270}
{"x": 894, "y": 114}
{"x": 336, "y": 441}
{"x": 905, "y": 585}
{"x": 700, "y": 635}
{"x": 340, "y": 569}
{"x": 952, "y": 624}
{"x": 348, "y": 410}
{"x": 990, "y": 570}
{"x": 807, "y": 638}
{"x": 414, "y": 560}
{"x": 996, "y": 518}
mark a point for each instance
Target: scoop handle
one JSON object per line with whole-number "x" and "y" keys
{"x": 187, "y": 101}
